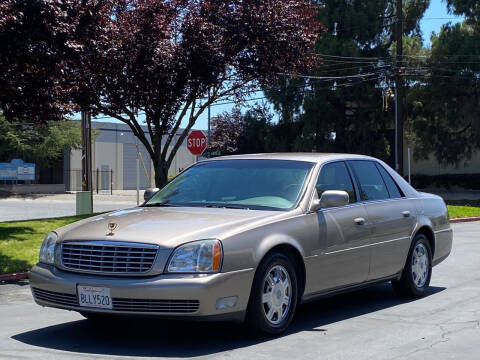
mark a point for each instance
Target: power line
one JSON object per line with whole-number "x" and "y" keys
{"x": 443, "y": 76}
{"x": 265, "y": 97}
{"x": 442, "y": 18}
{"x": 362, "y": 62}
{"x": 326, "y": 87}
{"x": 349, "y": 57}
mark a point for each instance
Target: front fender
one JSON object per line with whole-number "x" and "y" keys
{"x": 273, "y": 240}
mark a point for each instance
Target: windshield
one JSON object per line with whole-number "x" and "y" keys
{"x": 243, "y": 184}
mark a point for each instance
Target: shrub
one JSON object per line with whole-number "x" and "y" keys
{"x": 447, "y": 181}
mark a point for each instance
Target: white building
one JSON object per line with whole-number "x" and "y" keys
{"x": 114, "y": 160}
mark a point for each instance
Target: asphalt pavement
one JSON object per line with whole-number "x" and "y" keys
{"x": 49, "y": 206}
{"x": 367, "y": 324}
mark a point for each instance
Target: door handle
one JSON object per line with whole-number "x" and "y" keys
{"x": 359, "y": 221}
{"x": 406, "y": 213}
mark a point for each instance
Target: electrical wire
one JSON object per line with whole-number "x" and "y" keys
{"x": 336, "y": 63}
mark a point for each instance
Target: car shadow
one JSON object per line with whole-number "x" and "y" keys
{"x": 150, "y": 337}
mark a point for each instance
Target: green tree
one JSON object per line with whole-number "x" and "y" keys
{"x": 256, "y": 136}
{"x": 254, "y": 131}
{"x": 468, "y": 8}
{"x": 342, "y": 108}
{"x": 40, "y": 143}
{"x": 445, "y": 98}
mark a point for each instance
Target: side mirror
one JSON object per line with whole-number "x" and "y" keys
{"x": 149, "y": 193}
{"x": 331, "y": 198}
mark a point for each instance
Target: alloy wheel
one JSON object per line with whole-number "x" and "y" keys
{"x": 420, "y": 265}
{"x": 276, "y": 296}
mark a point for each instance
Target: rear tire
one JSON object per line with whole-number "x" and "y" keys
{"x": 273, "y": 298}
{"x": 417, "y": 272}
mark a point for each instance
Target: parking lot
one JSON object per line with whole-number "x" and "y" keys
{"x": 50, "y": 206}
{"x": 367, "y": 324}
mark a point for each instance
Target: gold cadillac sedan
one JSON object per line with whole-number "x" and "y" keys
{"x": 248, "y": 238}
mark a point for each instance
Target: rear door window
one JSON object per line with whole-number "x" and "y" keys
{"x": 335, "y": 176}
{"x": 370, "y": 182}
{"x": 392, "y": 187}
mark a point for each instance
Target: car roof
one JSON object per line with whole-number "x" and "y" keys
{"x": 310, "y": 157}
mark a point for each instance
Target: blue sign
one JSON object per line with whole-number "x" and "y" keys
{"x": 17, "y": 170}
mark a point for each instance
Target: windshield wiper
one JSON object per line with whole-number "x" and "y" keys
{"x": 227, "y": 206}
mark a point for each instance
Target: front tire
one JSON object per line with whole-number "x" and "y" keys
{"x": 417, "y": 273}
{"x": 273, "y": 299}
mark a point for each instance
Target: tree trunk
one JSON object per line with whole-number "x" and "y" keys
{"x": 161, "y": 172}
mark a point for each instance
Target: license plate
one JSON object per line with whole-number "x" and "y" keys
{"x": 94, "y": 297}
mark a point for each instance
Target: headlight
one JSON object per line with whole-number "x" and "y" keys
{"x": 47, "y": 251}
{"x": 203, "y": 256}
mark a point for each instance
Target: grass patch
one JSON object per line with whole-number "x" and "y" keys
{"x": 456, "y": 211}
{"x": 20, "y": 241}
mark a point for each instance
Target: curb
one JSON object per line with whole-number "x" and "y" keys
{"x": 14, "y": 276}
{"x": 463, "y": 220}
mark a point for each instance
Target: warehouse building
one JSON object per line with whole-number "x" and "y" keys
{"x": 115, "y": 151}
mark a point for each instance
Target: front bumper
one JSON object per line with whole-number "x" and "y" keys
{"x": 60, "y": 288}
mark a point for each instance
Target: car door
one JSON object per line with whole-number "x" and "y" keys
{"x": 342, "y": 259}
{"x": 390, "y": 216}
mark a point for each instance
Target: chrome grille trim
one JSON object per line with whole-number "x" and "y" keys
{"x": 54, "y": 297}
{"x": 108, "y": 257}
{"x": 156, "y": 306}
{"x": 123, "y": 305}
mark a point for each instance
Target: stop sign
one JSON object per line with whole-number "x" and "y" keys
{"x": 196, "y": 142}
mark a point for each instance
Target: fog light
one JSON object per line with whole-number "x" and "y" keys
{"x": 226, "y": 302}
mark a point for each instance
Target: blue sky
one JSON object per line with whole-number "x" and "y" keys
{"x": 435, "y": 16}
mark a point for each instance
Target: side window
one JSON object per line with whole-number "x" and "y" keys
{"x": 335, "y": 176}
{"x": 372, "y": 186}
{"x": 391, "y": 185}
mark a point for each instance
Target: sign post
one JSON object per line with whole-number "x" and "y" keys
{"x": 197, "y": 142}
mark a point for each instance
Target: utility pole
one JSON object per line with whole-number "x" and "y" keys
{"x": 138, "y": 173}
{"x": 208, "y": 135}
{"x": 87, "y": 154}
{"x": 399, "y": 91}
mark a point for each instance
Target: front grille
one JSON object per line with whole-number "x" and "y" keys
{"x": 124, "y": 305}
{"x": 110, "y": 258}
{"x": 157, "y": 306}
{"x": 55, "y": 298}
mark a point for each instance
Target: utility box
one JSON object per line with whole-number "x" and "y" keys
{"x": 84, "y": 203}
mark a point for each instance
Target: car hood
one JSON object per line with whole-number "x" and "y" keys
{"x": 168, "y": 227}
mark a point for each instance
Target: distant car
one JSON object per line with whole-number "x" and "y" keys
{"x": 248, "y": 238}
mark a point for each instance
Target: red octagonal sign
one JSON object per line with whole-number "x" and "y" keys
{"x": 197, "y": 142}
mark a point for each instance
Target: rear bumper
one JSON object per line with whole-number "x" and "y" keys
{"x": 141, "y": 296}
{"x": 443, "y": 245}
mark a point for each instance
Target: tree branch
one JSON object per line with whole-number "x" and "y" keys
{"x": 193, "y": 117}
{"x": 133, "y": 124}
{"x": 174, "y": 130}
{"x": 458, "y": 132}
{"x": 186, "y": 131}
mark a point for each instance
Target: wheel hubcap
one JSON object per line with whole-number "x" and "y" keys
{"x": 276, "y": 297}
{"x": 420, "y": 265}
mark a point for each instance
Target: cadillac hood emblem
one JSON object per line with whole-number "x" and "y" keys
{"x": 112, "y": 227}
